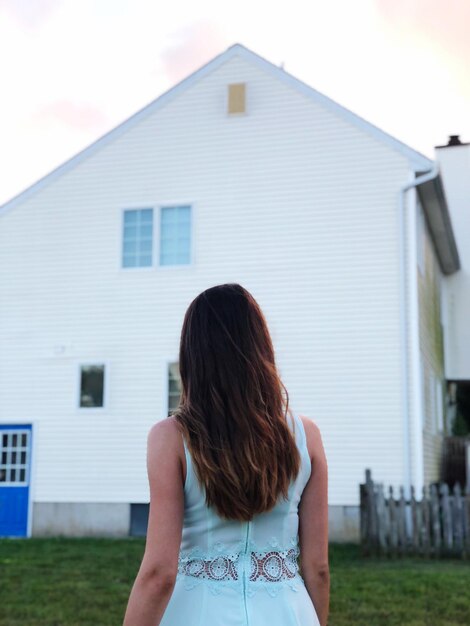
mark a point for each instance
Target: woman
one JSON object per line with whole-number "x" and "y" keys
{"x": 238, "y": 522}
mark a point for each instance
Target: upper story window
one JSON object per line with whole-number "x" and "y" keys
{"x": 175, "y": 235}
{"x": 137, "y": 238}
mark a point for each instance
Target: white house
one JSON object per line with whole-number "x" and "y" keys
{"x": 240, "y": 173}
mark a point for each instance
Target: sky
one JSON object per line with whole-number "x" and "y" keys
{"x": 71, "y": 70}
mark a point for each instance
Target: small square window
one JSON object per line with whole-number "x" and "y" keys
{"x": 91, "y": 386}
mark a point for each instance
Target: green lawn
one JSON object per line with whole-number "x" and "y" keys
{"x": 78, "y": 582}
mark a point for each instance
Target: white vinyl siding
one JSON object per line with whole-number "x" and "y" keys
{"x": 293, "y": 202}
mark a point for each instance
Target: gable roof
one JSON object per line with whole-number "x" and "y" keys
{"x": 417, "y": 160}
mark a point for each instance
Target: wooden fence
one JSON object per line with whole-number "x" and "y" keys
{"x": 436, "y": 525}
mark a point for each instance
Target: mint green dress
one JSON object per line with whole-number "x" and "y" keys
{"x": 233, "y": 573}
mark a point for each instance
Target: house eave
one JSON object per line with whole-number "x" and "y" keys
{"x": 434, "y": 203}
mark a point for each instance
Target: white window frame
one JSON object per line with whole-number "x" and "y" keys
{"x": 136, "y": 207}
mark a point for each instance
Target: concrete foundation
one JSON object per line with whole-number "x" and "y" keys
{"x": 80, "y": 519}
{"x": 344, "y": 523}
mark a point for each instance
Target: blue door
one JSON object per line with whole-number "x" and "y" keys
{"x": 15, "y": 463}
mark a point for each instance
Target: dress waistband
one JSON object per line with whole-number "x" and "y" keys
{"x": 267, "y": 566}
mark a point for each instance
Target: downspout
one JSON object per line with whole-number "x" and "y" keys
{"x": 413, "y": 367}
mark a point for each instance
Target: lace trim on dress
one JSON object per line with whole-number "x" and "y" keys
{"x": 271, "y": 567}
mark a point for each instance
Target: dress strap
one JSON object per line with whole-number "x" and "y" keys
{"x": 187, "y": 454}
{"x": 301, "y": 438}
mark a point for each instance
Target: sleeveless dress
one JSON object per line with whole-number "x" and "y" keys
{"x": 233, "y": 573}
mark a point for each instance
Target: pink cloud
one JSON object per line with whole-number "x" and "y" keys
{"x": 29, "y": 14}
{"x": 197, "y": 44}
{"x": 444, "y": 25}
{"x": 78, "y": 116}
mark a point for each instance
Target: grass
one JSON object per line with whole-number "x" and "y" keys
{"x": 86, "y": 582}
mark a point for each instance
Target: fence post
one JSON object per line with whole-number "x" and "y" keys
{"x": 436, "y": 521}
{"x": 457, "y": 516}
{"x": 393, "y": 521}
{"x": 446, "y": 517}
{"x": 426, "y": 523}
{"x": 363, "y": 520}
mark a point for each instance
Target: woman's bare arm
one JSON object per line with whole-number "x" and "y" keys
{"x": 313, "y": 525}
{"x": 156, "y": 578}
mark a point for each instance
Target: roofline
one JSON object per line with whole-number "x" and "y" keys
{"x": 119, "y": 130}
{"x": 417, "y": 160}
{"x": 440, "y": 224}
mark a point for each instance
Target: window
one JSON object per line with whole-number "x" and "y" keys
{"x": 236, "y": 98}
{"x": 174, "y": 387}
{"x": 175, "y": 230}
{"x": 14, "y": 456}
{"x": 91, "y": 386}
{"x": 137, "y": 238}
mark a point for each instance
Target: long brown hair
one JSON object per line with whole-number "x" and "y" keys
{"x": 232, "y": 410}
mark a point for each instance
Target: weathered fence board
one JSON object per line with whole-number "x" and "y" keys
{"x": 437, "y": 524}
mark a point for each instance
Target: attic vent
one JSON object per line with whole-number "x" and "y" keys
{"x": 236, "y": 98}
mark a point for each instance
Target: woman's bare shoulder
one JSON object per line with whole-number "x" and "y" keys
{"x": 313, "y": 436}
{"x": 170, "y": 430}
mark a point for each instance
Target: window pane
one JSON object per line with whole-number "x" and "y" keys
{"x": 183, "y": 257}
{"x": 22, "y": 475}
{"x": 168, "y": 215}
{"x": 130, "y": 217}
{"x": 145, "y": 230}
{"x": 130, "y": 247}
{"x": 146, "y": 215}
{"x": 183, "y": 215}
{"x": 166, "y": 259}
{"x": 129, "y": 261}
{"x": 174, "y": 385}
{"x": 145, "y": 245}
{"x": 130, "y": 232}
{"x": 145, "y": 260}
